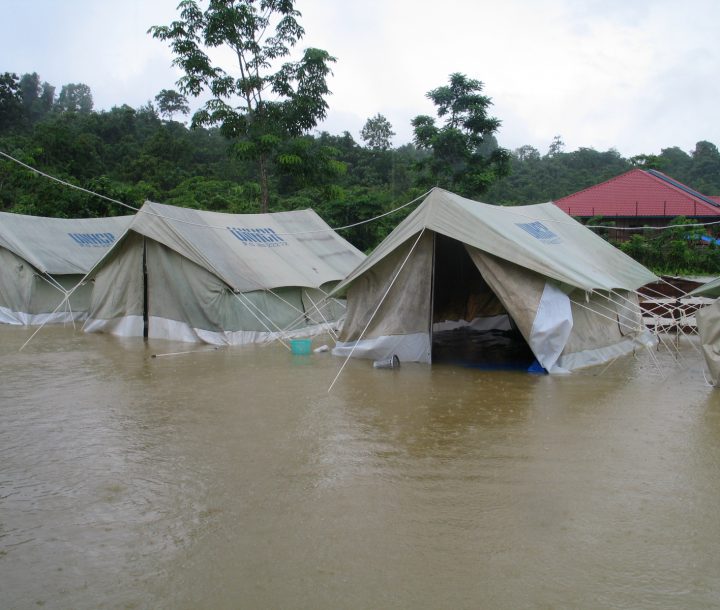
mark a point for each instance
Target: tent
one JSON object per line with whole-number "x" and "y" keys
{"x": 42, "y": 259}
{"x": 199, "y": 276}
{"x": 532, "y": 271}
{"x": 709, "y": 289}
{"x": 708, "y": 325}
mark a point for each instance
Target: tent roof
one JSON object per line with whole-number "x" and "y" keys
{"x": 539, "y": 237}
{"x": 60, "y": 246}
{"x": 252, "y": 251}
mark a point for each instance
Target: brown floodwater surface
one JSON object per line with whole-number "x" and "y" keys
{"x": 231, "y": 478}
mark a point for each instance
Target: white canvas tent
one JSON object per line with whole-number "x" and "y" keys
{"x": 454, "y": 262}
{"x": 199, "y": 276}
{"x": 42, "y": 259}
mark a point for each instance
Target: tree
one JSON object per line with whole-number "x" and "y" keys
{"x": 10, "y": 101}
{"x": 647, "y": 162}
{"x": 676, "y": 163}
{"x": 377, "y": 132}
{"x": 170, "y": 101}
{"x": 705, "y": 172}
{"x": 535, "y": 178}
{"x": 459, "y": 159}
{"x": 308, "y": 162}
{"x": 556, "y": 146}
{"x": 46, "y": 100}
{"x": 527, "y": 153}
{"x": 271, "y": 106}
{"x": 75, "y": 97}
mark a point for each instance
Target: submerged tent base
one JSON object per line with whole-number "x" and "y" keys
{"x": 172, "y": 330}
{"x": 408, "y": 348}
{"x": 126, "y": 326}
{"x": 22, "y": 318}
{"x": 421, "y": 347}
{"x": 416, "y": 348}
{"x": 602, "y": 355}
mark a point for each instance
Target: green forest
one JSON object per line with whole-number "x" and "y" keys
{"x": 243, "y": 153}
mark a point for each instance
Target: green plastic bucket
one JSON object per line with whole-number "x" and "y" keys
{"x": 300, "y": 347}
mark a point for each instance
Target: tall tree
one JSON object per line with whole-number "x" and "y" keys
{"x": 377, "y": 132}
{"x": 647, "y": 162}
{"x": 257, "y": 107}
{"x": 527, "y": 153}
{"x": 75, "y": 97}
{"x": 705, "y": 172}
{"x": 10, "y": 101}
{"x": 170, "y": 101}
{"x": 459, "y": 157}
{"x": 556, "y": 146}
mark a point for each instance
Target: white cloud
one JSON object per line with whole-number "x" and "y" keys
{"x": 638, "y": 76}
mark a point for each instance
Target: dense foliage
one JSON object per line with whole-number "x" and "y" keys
{"x": 679, "y": 250}
{"x": 464, "y": 155}
{"x": 266, "y": 106}
{"x": 536, "y": 177}
{"x": 133, "y": 154}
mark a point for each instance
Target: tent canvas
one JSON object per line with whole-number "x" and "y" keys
{"x": 199, "y": 276}
{"x": 708, "y": 324}
{"x": 568, "y": 292}
{"x": 43, "y": 259}
{"x": 709, "y": 289}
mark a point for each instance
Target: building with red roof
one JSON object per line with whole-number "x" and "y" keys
{"x": 641, "y": 197}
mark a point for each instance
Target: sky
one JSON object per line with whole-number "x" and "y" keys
{"x": 634, "y": 75}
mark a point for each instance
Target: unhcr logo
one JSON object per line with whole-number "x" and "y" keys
{"x": 264, "y": 238}
{"x": 93, "y": 240}
{"x": 540, "y": 232}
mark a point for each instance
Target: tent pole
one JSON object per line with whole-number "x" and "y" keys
{"x": 432, "y": 297}
{"x": 146, "y": 309}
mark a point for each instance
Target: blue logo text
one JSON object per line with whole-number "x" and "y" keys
{"x": 93, "y": 239}
{"x": 264, "y": 238}
{"x": 539, "y": 231}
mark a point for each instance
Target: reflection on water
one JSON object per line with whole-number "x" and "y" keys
{"x": 231, "y": 478}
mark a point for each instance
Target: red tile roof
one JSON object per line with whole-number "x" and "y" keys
{"x": 640, "y": 193}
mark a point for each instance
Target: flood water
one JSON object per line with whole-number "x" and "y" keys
{"x": 231, "y": 478}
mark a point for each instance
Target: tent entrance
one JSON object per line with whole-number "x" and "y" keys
{"x": 470, "y": 326}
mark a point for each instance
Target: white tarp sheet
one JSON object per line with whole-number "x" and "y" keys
{"x": 552, "y": 326}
